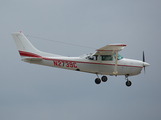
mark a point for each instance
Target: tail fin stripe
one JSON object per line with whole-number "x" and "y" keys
{"x": 28, "y": 54}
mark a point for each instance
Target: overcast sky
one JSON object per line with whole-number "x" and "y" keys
{"x": 33, "y": 92}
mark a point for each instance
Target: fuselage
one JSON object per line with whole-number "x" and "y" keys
{"x": 124, "y": 66}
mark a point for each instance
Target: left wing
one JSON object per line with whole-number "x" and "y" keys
{"x": 109, "y": 49}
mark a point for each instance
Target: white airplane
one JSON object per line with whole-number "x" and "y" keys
{"x": 104, "y": 61}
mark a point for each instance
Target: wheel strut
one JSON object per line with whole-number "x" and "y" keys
{"x": 97, "y": 80}
{"x": 128, "y": 82}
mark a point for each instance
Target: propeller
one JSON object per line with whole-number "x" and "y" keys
{"x": 144, "y": 61}
{"x": 145, "y": 64}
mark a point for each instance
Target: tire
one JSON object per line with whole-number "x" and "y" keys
{"x": 97, "y": 81}
{"x": 104, "y": 78}
{"x": 128, "y": 83}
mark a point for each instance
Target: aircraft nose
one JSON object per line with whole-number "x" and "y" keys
{"x": 146, "y": 64}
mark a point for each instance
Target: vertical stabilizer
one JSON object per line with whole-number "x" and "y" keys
{"x": 23, "y": 44}
{"x": 26, "y": 49}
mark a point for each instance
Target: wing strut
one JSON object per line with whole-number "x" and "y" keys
{"x": 115, "y": 71}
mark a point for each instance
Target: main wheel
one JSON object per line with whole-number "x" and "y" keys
{"x": 97, "y": 81}
{"x": 104, "y": 78}
{"x": 128, "y": 83}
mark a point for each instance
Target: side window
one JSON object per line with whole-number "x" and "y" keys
{"x": 95, "y": 57}
{"x": 106, "y": 57}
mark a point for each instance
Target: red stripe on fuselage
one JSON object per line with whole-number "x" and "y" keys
{"x": 88, "y": 62}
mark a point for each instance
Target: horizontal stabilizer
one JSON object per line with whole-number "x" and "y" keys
{"x": 29, "y": 59}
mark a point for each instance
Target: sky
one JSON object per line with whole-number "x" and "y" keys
{"x": 34, "y": 92}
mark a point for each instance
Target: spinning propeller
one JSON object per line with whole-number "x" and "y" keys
{"x": 144, "y": 63}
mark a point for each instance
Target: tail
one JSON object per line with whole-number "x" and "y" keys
{"x": 26, "y": 49}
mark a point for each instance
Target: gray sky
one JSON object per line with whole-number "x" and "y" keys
{"x": 33, "y": 92}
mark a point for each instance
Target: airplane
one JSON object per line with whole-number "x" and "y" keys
{"x": 104, "y": 61}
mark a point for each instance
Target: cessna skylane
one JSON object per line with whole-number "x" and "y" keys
{"x": 104, "y": 61}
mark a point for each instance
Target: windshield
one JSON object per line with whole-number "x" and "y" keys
{"x": 119, "y": 57}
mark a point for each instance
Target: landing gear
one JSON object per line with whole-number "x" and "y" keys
{"x": 98, "y": 80}
{"x": 104, "y": 78}
{"x": 128, "y": 83}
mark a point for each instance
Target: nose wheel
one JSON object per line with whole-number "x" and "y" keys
{"x": 128, "y": 82}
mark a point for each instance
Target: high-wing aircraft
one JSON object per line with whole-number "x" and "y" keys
{"x": 104, "y": 61}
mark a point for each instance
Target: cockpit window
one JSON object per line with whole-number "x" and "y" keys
{"x": 119, "y": 57}
{"x": 106, "y": 58}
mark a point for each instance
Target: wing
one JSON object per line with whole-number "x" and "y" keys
{"x": 109, "y": 49}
